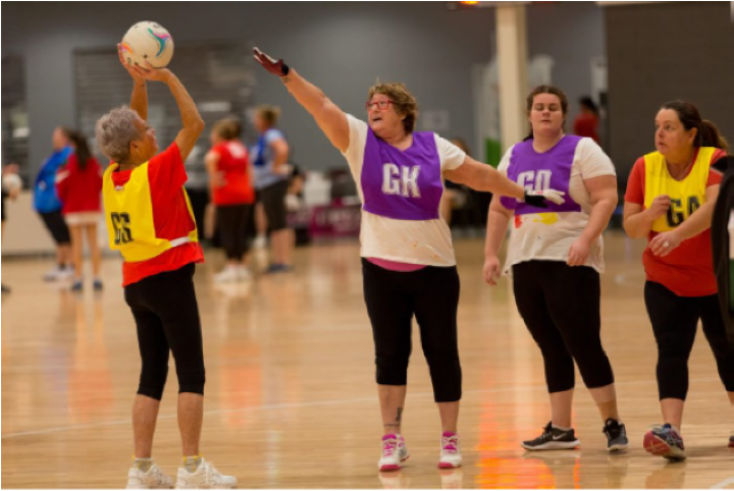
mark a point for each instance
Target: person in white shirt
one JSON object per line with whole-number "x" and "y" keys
{"x": 555, "y": 256}
{"x": 407, "y": 257}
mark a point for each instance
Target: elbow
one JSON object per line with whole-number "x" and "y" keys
{"x": 632, "y": 233}
{"x": 198, "y": 125}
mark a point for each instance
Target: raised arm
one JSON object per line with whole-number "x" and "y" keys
{"x": 139, "y": 99}
{"x": 331, "y": 119}
{"x": 191, "y": 120}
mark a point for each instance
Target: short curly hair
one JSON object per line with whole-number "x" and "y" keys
{"x": 405, "y": 102}
{"x": 115, "y": 130}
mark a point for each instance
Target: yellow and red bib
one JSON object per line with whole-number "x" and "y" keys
{"x": 129, "y": 217}
{"x": 686, "y": 195}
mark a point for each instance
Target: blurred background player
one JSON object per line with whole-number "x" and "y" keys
{"x": 79, "y": 187}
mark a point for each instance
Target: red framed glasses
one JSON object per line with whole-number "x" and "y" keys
{"x": 381, "y": 105}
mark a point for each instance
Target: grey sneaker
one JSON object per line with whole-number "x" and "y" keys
{"x": 616, "y": 435}
{"x": 665, "y": 441}
{"x": 553, "y": 439}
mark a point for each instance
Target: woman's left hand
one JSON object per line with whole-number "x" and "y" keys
{"x": 664, "y": 243}
{"x": 578, "y": 252}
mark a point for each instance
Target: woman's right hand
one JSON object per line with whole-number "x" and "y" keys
{"x": 276, "y": 67}
{"x": 136, "y": 77}
{"x": 140, "y": 75}
{"x": 659, "y": 207}
{"x": 491, "y": 270}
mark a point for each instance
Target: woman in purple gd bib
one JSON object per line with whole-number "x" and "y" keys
{"x": 407, "y": 257}
{"x": 555, "y": 255}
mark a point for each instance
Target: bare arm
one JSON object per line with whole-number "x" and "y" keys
{"x": 211, "y": 159}
{"x": 191, "y": 120}
{"x": 331, "y": 119}
{"x": 139, "y": 99}
{"x": 483, "y": 177}
{"x": 638, "y": 219}
{"x": 603, "y": 194}
{"x": 280, "y": 152}
{"x": 497, "y": 219}
{"x": 700, "y": 220}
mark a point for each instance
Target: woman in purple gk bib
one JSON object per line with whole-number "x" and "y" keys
{"x": 407, "y": 258}
{"x": 556, "y": 255}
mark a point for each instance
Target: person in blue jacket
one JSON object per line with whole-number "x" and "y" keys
{"x": 48, "y": 205}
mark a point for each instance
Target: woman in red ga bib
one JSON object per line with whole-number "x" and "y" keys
{"x": 670, "y": 199}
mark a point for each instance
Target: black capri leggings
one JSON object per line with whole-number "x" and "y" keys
{"x": 232, "y": 225}
{"x": 674, "y": 322}
{"x": 56, "y": 225}
{"x": 560, "y": 305}
{"x": 167, "y": 317}
{"x": 273, "y": 201}
{"x": 432, "y": 295}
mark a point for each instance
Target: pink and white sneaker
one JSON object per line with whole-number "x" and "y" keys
{"x": 394, "y": 453}
{"x": 450, "y": 451}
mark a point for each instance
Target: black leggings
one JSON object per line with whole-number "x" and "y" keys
{"x": 273, "y": 202}
{"x": 232, "y": 225}
{"x": 167, "y": 317}
{"x": 560, "y": 305}
{"x": 674, "y": 322}
{"x": 432, "y": 295}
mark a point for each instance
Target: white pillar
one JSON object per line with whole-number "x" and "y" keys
{"x": 512, "y": 59}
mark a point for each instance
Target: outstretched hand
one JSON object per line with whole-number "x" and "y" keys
{"x": 276, "y": 67}
{"x": 540, "y": 199}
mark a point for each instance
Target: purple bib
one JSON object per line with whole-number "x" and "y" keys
{"x": 541, "y": 171}
{"x": 404, "y": 185}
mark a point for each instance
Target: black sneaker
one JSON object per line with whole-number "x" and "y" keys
{"x": 616, "y": 435}
{"x": 6, "y": 289}
{"x": 553, "y": 439}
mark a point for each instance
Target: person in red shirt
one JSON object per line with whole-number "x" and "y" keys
{"x": 79, "y": 187}
{"x": 150, "y": 222}
{"x": 587, "y": 122}
{"x": 670, "y": 200}
{"x": 230, "y": 178}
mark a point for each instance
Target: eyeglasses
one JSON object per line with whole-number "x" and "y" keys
{"x": 381, "y": 105}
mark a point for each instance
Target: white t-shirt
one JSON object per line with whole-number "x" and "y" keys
{"x": 549, "y": 236}
{"x": 426, "y": 242}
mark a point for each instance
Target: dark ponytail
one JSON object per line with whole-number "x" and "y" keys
{"x": 81, "y": 149}
{"x": 708, "y": 134}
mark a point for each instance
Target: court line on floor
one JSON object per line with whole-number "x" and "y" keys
{"x": 117, "y": 422}
{"x": 723, "y": 484}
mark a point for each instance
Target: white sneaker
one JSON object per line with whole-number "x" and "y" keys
{"x": 244, "y": 273}
{"x": 450, "y": 451}
{"x": 394, "y": 453}
{"x": 229, "y": 274}
{"x": 205, "y": 477}
{"x": 66, "y": 273}
{"x": 260, "y": 242}
{"x": 58, "y": 273}
{"x": 153, "y": 479}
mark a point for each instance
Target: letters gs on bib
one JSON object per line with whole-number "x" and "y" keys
{"x": 121, "y": 223}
